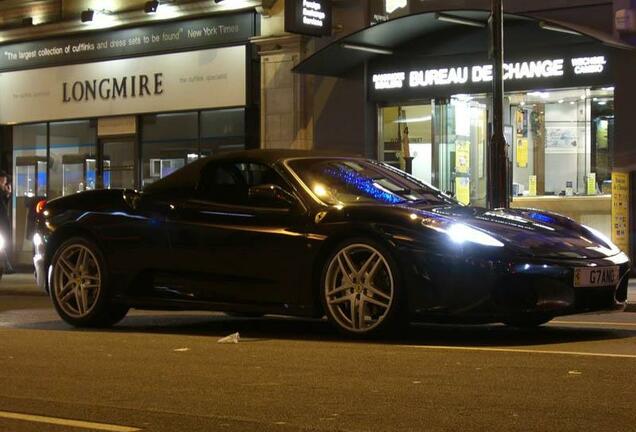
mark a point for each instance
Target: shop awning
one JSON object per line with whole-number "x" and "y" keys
{"x": 439, "y": 33}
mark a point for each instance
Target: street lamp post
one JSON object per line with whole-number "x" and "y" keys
{"x": 498, "y": 195}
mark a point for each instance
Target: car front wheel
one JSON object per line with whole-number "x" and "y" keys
{"x": 79, "y": 286}
{"x": 360, "y": 288}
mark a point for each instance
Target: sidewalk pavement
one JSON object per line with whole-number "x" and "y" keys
{"x": 24, "y": 284}
{"x": 19, "y": 284}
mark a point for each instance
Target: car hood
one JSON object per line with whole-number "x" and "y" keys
{"x": 533, "y": 232}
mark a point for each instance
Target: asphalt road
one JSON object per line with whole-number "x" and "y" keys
{"x": 159, "y": 371}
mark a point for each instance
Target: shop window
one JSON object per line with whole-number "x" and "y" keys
{"x": 222, "y": 131}
{"x": 447, "y": 141}
{"x": 562, "y": 142}
{"x": 29, "y": 183}
{"x": 168, "y": 142}
{"x": 72, "y": 157}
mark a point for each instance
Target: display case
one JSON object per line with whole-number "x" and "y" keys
{"x": 78, "y": 173}
{"x": 159, "y": 168}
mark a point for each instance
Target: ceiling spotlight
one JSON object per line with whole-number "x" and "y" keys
{"x": 546, "y": 26}
{"x": 459, "y": 20}
{"x": 151, "y": 6}
{"x": 368, "y": 48}
{"x": 87, "y": 15}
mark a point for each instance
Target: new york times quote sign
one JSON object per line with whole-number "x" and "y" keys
{"x": 149, "y": 39}
{"x": 308, "y": 17}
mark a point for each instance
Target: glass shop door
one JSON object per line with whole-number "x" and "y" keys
{"x": 118, "y": 158}
{"x": 460, "y": 139}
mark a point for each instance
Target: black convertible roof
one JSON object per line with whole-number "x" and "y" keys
{"x": 188, "y": 176}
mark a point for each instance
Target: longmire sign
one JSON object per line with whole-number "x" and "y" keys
{"x": 210, "y": 78}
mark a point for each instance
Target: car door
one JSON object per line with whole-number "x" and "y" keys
{"x": 230, "y": 248}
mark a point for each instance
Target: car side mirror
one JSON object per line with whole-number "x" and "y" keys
{"x": 271, "y": 195}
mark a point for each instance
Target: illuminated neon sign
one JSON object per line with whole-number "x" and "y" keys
{"x": 458, "y": 75}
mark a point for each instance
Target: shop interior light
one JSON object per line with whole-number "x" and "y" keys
{"x": 459, "y": 20}
{"x": 87, "y": 15}
{"x": 102, "y": 19}
{"x": 414, "y": 120}
{"x": 367, "y": 48}
{"x": 542, "y": 95}
{"x": 462, "y": 97}
{"x": 151, "y": 6}
{"x": 167, "y": 11}
{"x": 546, "y": 26}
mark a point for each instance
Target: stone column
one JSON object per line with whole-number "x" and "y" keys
{"x": 285, "y": 102}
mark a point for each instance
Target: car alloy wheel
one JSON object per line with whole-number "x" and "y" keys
{"x": 359, "y": 288}
{"x": 77, "y": 280}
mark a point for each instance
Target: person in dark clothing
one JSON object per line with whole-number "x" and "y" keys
{"x": 5, "y": 222}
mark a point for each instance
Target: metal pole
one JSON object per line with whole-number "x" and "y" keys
{"x": 497, "y": 161}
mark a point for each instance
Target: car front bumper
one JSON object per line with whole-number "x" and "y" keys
{"x": 496, "y": 289}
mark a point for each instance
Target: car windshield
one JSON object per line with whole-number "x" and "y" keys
{"x": 347, "y": 181}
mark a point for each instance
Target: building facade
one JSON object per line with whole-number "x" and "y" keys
{"x": 124, "y": 101}
{"x": 415, "y": 79}
{"x": 124, "y": 106}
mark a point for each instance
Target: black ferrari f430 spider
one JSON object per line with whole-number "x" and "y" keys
{"x": 299, "y": 233}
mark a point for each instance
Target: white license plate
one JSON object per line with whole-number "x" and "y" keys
{"x": 595, "y": 276}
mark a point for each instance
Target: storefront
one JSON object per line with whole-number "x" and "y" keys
{"x": 427, "y": 79}
{"x": 559, "y": 121}
{"x": 124, "y": 108}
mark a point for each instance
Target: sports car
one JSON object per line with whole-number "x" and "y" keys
{"x": 308, "y": 234}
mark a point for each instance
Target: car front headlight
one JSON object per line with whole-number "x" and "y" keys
{"x": 460, "y": 233}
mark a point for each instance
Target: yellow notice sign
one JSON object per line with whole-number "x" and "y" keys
{"x": 522, "y": 152}
{"x": 620, "y": 210}
{"x": 591, "y": 184}
{"x": 462, "y": 157}
{"x": 462, "y": 188}
{"x": 532, "y": 185}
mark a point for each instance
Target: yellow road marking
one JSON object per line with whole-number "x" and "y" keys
{"x": 594, "y": 323}
{"x": 67, "y": 422}
{"x": 520, "y": 350}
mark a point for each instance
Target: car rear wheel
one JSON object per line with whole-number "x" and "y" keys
{"x": 360, "y": 288}
{"x": 79, "y": 286}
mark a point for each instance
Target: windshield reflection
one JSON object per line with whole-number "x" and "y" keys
{"x": 338, "y": 181}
